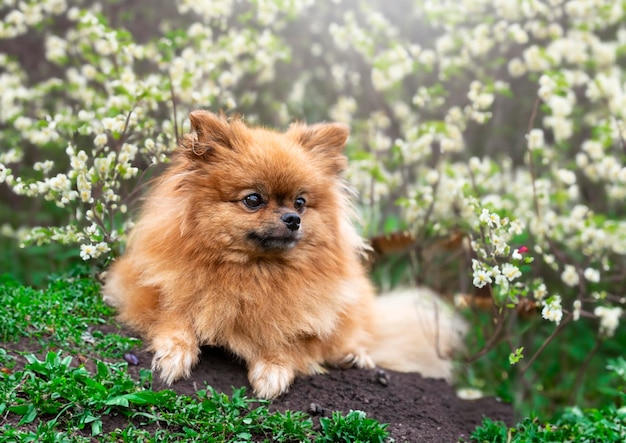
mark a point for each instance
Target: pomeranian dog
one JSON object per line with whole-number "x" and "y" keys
{"x": 247, "y": 242}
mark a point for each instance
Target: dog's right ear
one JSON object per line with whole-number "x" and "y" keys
{"x": 325, "y": 140}
{"x": 208, "y": 132}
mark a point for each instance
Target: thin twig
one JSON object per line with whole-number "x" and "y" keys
{"x": 139, "y": 186}
{"x": 547, "y": 342}
{"x": 531, "y": 163}
{"x": 422, "y": 230}
{"x": 173, "y": 95}
{"x": 493, "y": 340}
{"x": 126, "y": 126}
{"x": 475, "y": 188}
{"x": 583, "y": 369}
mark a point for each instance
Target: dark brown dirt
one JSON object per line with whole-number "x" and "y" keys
{"x": 417, "y": 409}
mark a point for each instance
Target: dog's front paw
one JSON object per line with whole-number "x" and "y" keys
{"x": 269, "y": 380}
{"x": 359, "y": 359}
{"x": 174, "y": 357}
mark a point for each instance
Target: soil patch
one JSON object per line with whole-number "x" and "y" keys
{"x": 417, "y": 409}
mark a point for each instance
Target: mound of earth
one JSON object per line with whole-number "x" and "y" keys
{"x": 417, "y": 409}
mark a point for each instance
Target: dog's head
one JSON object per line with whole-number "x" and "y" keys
{"x": 257, "y": 193}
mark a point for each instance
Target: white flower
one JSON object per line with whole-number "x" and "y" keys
{"x": 59, "y": 183}
{"x": 535, "y": 139}
{"x": 576, "y": 311}
{"x": 87, "y": 252}
{"x": 516, "y": 67}
{"x": 490, "y": 219}
{"x": 484, "y": 100}
{"x": 448, "y": 144}
{"x": 516, "y": 255}
{"x": 4, "y": 173}
{"x": 594, "y": 149}
{"x": 546, "y": 90}
{"x": 609, "y": 319}
{"x": 481, "y": 278}
{"x": 516, "y": 227}
{"x": 566, "y": 176}
{"x": 570, "y": 276}
{"x": 44, "y": 167}
{"x": 102, "y": 165}
{"x": 511, "y": 272}
{"x": 519, "y": 35}
{"x": 484, "y": 216}
{"x": 108, "y": 123}
{"x": 226, "y": 79}
{"x": 102, "y": 248}
{"x": 592, "y": 275}
{"x": 100, "y": 140}
{"x": 562, "y": 127}
{"x": 560, "y": 106}
{"x": 500, "y": 279}
{"x": 552, "y": 310}
{"x": 476, "y": 265}
{"x": 432, "y": 177}
{"x": 90, "y": 72}
{"x": 499, "y": 244}
{"x": 55, "y": 48}
{"x": 535, "y": 60}
{"x": 540, "y": 292}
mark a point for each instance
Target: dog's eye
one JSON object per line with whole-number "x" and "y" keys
{"x": 253, "y": 201}
{"x": 299, "y": 204}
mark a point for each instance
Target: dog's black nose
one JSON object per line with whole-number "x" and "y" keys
{"x": 291, "y": 220}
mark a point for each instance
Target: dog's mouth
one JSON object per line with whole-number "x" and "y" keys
{"x": 275, "y": 242}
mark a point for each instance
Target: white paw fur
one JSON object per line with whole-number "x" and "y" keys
{"x": 269, "y": 380}
{"x": 174, "y": 358}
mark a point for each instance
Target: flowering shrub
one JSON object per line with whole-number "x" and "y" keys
{"x": 502, "y": 123}
{"x": 108, "y": 104}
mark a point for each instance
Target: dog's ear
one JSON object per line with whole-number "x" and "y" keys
{"x": 209, "y": 131}
{"x": 325, "y": 140}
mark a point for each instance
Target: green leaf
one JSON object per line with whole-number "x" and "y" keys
{"x": 29, "y": 416}
{"x": 516, "y": 356}
{"x": 96, "y": 427}
{"x": 19, "y": 410}
{"x": 137, "y": 398}
{"x": 120, "y": 400}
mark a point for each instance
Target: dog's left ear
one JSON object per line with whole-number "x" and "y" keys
{"x": 208, "y": 132}
{"x": 325, "y": 140}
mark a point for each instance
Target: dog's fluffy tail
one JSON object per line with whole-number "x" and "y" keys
{"x": 416, "y": 331}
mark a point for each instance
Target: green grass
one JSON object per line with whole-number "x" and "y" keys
{"x": 46, "y": 395}
{"x": 63, "y": 400}
{"x": 64, "y": 315}
{"x": 606, "y": 424}
{"x": 353, "y": 427}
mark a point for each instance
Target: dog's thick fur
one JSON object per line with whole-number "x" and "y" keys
{"x": 246, "y": 242}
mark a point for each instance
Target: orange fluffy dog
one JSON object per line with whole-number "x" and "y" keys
{"x": 246, "y": 242}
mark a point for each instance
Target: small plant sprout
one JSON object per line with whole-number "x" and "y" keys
{"x": 515, "y": 357}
